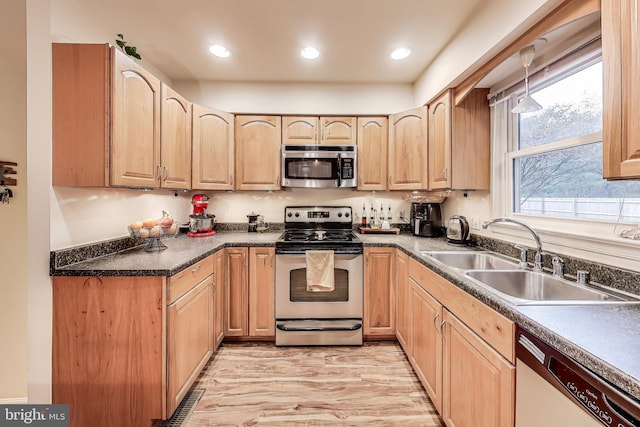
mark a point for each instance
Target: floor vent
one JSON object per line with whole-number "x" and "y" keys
{"x": 185, "y": 408}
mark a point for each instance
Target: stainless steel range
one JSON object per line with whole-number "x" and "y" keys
{"x": 316, "y": 240}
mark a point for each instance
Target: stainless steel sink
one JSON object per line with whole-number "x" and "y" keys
{"x": 523, "y": 287}
{"x": 472, "y": 260}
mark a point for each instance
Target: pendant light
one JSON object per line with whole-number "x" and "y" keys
{"x": 527, "y": 104}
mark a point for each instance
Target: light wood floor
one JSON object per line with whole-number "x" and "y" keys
{"x": 260, "y": 384}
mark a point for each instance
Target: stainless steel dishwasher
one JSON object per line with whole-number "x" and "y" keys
{"x": 554, "y": 390}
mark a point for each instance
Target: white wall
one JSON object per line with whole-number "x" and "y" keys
{"x": 491, "y": 28}
{"x": 71, "y": 23}
{"x": 298, "y": 98}
{"x": 13, "y": 216}
{"x": 81, "y": 216}
{"x": 39, "y": 185}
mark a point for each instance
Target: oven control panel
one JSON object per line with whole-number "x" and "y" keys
{"x": 317, "y": 214}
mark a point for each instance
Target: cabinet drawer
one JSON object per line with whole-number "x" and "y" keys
{"x": 189, "y": 277}
{"x": 494, "y": 328}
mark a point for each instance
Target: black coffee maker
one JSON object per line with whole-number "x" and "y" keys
{"x": 426, "y": 219}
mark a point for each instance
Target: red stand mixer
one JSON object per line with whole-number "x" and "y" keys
{"x": 200, "y": 222}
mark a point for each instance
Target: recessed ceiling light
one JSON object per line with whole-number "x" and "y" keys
{"x": 219, "y": 51}
{"x": 400, "y": 53}
{"x": 310, "y": 52}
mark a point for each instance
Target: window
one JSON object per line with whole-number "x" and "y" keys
{"x": 554, "y": 157}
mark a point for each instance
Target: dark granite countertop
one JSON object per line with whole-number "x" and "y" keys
{"x": 604, "y": 338}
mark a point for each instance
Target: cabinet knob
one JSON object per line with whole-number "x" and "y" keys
{"x": 159, "y": 171}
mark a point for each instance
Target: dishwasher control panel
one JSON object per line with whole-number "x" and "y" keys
{"x": 607, "y": 404}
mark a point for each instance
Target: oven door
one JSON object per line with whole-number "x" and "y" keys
{"x": 294, "y": 301}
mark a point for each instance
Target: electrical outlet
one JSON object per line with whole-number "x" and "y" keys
{"x": 475, "y": 222}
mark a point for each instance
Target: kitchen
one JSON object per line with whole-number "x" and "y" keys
{"x": 82, "y": 216}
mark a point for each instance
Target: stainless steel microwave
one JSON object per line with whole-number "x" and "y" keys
{"x": 319, "y": 166}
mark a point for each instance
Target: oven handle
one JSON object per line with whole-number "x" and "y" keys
{"x": 317, "y": 328}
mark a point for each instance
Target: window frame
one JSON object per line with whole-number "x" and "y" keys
{"x": 594, "y": 239}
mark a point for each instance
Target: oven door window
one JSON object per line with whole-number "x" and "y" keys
{"x": 298, "y": 287}
{"x": 326, "y": 168}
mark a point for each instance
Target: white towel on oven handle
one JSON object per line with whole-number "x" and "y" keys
{"x": 320, "y": 270}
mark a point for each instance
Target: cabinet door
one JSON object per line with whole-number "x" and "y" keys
{"x": 440, "y": 142}
{"x": 379, "y": 302}
{"x": 478, "y": 383}
{"x": 373, "y": 134}
{"x": 408, "y": 150}
{"x": 258, "y": 152}
{"x": 403, "y": 303}
{"x": 213, "y": 154}
{"x": 81, "y": 95}
{"x": 262, "y": 292}
{"x": 621, "y": 61}
{"x": 175, "y": 140}
{"x": 338, "y": 130}
{"x": 299, "y": 130}
{"x": 220, "y": 293}
{"x": 190, "y": 343}
{"x": 237, "y": 292}
{"x": 426, "y": 341}
{"x": 470, "y": 143}
{"x": 108, "y": 349}
{"x": 135, "y": 125}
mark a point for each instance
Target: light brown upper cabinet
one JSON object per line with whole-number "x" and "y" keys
{"x": 299, "y": 130}
{"x": 408, "y": 150}
{"x": 175, "y": 140}
{"x": 135, "y": 125}
{"x": 373, "y": 135}
{"x": 338, "y": 130}
{"x": 459, "y": 142}
{"x": 621, "y": 61}
{"x": 440, "y": 142}
{"x": 258, "y": 140}
{"x": 213, "y": 153}
{"x": 318, "y": 130}
{"x": 107, "y": 122}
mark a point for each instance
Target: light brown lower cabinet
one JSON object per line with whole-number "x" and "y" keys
{"x": 462, "y": 351}
{"x": 379, "y": 302}
{"x": 219, "y": 296}
{"x": 478, "y": 383}
{"x": 262, "y": 320}
{"x": 403, "y": 303}
{"x": 251, "y": 292}
{"x": 189, "y": 341}
{"x": 426, "y": 341}
{"x": 237, "y": 292}
{"x": 126, "y": 348}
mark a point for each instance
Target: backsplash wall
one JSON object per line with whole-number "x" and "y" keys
{"x": 87, "y": 215}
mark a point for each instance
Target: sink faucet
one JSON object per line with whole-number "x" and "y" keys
{"x": 537, "y": 265}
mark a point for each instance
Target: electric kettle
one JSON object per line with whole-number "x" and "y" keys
{"x": 457, "y": 230}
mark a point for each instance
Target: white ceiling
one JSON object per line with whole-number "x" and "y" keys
{"x": 266, "y": 36}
